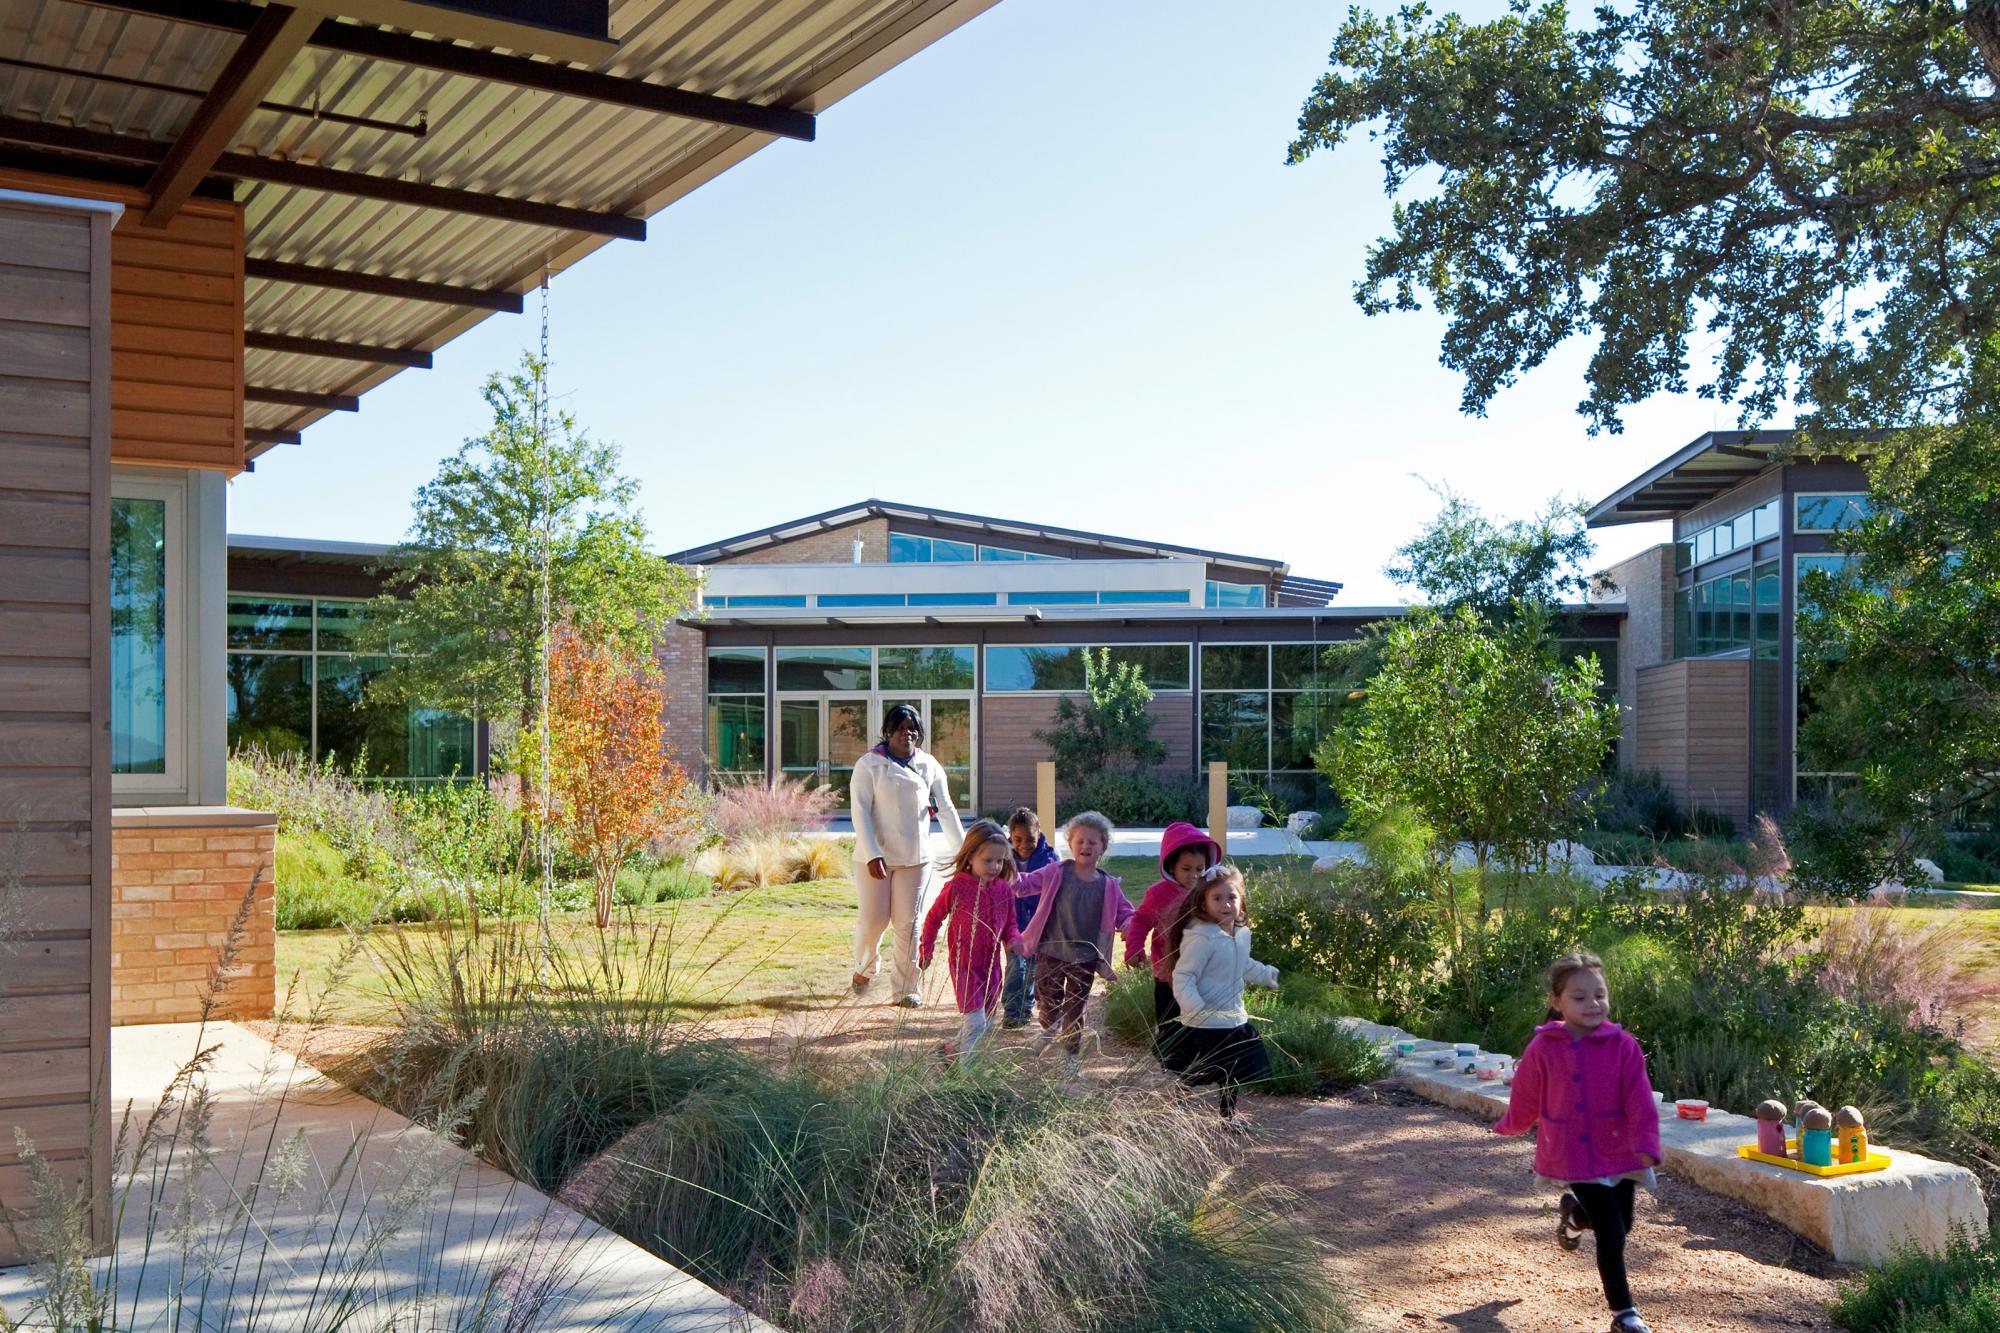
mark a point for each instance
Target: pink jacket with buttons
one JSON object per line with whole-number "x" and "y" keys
{"x": 1593, "y": 1100}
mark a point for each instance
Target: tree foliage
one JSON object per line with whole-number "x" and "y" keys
{"x": 1464, "y": 558}
{"x": 1481, "y": 732}
{"x": 1901, "y": 656}
{"x": 609, "y": 786}
{"x": 1109, "y": 728}
{"x": 462, "y": 606}
{"x": 1808, "y": 193}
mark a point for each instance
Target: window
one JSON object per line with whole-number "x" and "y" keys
{"x": 1811, "y": 780}
{"x": 1052, "y": 599}
{"x": 1829, "y": 513}
{"x": 954, "y": 599}
{"x": 1235, "y": 594}
{"x": 1127, "y": 597}
{"x": 842, "y": 669}
{"x": 1717, "y": 617}
{"x": 1059, "y": 667}
{"x": 1736, "y": 533}
{"x": 735, "y": 724}
{"x": 148, "y": 666}
{"x": 740, "y": 603}
{"x": 908, "y": 549}
{"x": 296, "y": 685}
{"x": 862, "y": 599}
{"x": 1262, "y": 713}
{"x": 925, "y": 668}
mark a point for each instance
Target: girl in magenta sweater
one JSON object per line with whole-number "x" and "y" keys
{"x": 976, "y": 909}
{"x": 1583, "y": 1078}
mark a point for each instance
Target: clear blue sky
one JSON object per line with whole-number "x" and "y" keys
{"x": 1052, "y": 268}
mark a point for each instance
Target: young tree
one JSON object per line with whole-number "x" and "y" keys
{"x": 609, "y": 787}
{"x": 1464, "y": 558}
{"x": 464, "y": 609}
{"x": 1110, "y": 729}
{"x": 1902, "y": 657}
{"x": 1809, "y": 189}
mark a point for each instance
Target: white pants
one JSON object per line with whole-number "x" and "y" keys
{"x": 897, "y": 900}
{"x": 972, "y": 1032}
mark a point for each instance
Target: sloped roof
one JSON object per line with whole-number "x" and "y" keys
{"x": 976, "y": 526}
{"x": 399, "y": 186}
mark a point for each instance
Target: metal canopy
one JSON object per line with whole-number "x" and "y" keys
{"x": 1710, "y": 465}
{"x": 440, "y": 176}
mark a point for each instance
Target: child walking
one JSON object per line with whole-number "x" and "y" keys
{"x": 1185, "y": 851}
{"x": 978, "y": 903}
{"x": 1583, "y": 1078}
{"x": 1031, "y": 852}
{"x": 1209, "y": 947}
{"x": 1069, "y": 935}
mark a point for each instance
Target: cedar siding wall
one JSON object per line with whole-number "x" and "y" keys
{"x": 1009, "y": 749}
{"x": 176, "y": 330}
{"x": 1694, "y": 727}
{"x": 55, "y": 697}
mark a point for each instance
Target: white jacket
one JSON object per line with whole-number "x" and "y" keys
{"x": 892, "y": 808}
{"x": 1210, "y": 974}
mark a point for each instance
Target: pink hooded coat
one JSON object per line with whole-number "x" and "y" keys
{"x": 1592, "y": 1099}
{"x": 1157, "y": 908}
{"x": 1117, "y": 910}
{"x": 981, "y": 927}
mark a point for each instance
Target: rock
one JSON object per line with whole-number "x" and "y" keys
{"x": 1243, "y": 818}
{"x": 1343, "y": 853}
{"x": 1929, "y": 870}
{"x": 1302, "y": 823}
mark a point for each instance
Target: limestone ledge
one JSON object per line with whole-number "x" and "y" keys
{"x": 1858, "y": 1219}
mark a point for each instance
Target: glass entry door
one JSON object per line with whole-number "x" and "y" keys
{"x": 821, "y": 737}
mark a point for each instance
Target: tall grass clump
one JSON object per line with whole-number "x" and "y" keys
{"x": 1869, "y": 954}
{"x": 1312, "y": 1048}
{"x": 750, "y": 811}
{"x": 833, "y": 1197}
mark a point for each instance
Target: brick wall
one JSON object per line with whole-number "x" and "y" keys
{"x": 1009, "y": 749}
{"x": 178, "y": 879}
{"x": 682, "y": 655}
{"x": 833, "y": 546}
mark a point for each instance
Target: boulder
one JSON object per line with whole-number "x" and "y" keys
{"x": 1302, "y": 823}
{"x": 1243, "y": 818}
{"x": 1929, "y": 870}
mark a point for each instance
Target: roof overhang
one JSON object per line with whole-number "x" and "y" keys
{"x": 408, "y": 167}
{"x": 1713, "y": 463}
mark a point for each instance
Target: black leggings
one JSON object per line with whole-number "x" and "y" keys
{"x": 1608, "y": 1209}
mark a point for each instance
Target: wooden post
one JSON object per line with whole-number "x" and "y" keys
{"x": 1218, "y": 805}
{"x": 1045, "y": 797}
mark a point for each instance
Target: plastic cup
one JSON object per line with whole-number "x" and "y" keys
{"x": 1691, "y": 1108}
{"x": 1406, "y": 1047}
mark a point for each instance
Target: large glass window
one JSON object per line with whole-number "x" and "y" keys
{"x": 1811, "y": 778}
{"x": 735, "y": 731}
{"x": 1737, "y": 533}
{"x": 1235, "y": 594}
{"x": 1014, "y": 669}
{"x": 1830, "y": 513}
{"x": 296, "y": 685}
{"x": 1262, "y": 714}
{"x": 140, "y": 679}
{"x": 825, "y": 669}
{"x": 925, "y": 668}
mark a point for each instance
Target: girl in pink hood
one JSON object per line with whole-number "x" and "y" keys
{"x": 978, "y": 902}
{"x": 1185, "y": 851}
{"x": 1583, "y": 1079}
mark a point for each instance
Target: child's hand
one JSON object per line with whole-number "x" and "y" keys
{"x": 923, "y": 961}
{"x": 1649, "y": 1159}
{"x": 1104, "y": 970}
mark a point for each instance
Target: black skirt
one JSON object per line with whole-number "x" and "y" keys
{"x": 1229, "y": 1056}
{"x": 1168, "y": 1048}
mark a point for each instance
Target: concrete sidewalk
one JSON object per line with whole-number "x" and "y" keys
{"x": 396, "y": 1223}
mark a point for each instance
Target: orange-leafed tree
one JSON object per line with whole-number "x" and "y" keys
{"x": 610, "y": 785}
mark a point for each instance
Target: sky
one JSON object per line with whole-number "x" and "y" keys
{"x": 1052, "y": 268}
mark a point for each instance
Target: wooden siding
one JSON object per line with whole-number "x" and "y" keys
{"x": 176, "y": 329}
{"x": 1694, "y": 728}
{"x": 1009, "y": 750}
{"x": 55, "y": 695}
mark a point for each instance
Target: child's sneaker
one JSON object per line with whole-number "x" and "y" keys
{"x": 1236, "y": 1124}
{"x": 1570, "y": 1222}
{"x": 1628, "y": 1321}
{"x": 1072, "y": 1067}
{"x": 949, "y": 1052}
{"x": 1012, "y": 1021}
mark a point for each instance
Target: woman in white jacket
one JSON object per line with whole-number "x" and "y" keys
{"x": 1210, "y": 949}
{"x": 897, "y": 788}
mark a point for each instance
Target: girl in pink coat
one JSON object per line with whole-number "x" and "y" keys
{"x": 975, "y": 908}
{"x": 1583, "y": 1080}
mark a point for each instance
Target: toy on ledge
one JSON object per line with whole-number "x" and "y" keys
{"x": 1828, "y": 1143}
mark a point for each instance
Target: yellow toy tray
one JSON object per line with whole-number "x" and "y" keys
{"x": 1875, "y": 1161}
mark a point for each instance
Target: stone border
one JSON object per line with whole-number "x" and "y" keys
{"x": 1859, "y": 1219}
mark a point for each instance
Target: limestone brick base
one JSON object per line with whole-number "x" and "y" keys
{"x": 179, "y": 879}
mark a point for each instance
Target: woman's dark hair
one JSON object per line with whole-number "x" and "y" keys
{"x": 898, "y": 714}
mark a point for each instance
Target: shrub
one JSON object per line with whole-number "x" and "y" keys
{"x": 1311, "y": 1049}
{"x": 1362, "y": 934}
{"x": 1920, "y": 1292}
{"x": 1140, "y": 800}
{"x": 644, "y": 881}
{"x": 755, "y": 811}
{"x": 314, "y": 890}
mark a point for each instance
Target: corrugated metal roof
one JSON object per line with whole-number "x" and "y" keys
{"x": 483, "y": 136}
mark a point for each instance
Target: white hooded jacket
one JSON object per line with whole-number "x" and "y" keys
{"x": 1209, "y": 976}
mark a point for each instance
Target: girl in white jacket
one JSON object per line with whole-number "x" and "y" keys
{"x": 1209, "y": 945}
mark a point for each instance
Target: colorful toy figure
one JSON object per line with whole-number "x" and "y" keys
{"x": 1799, "y": 1113}
{"x": 1816, "y": 1137}
{"x": 1850, "y": 1135}
{"x": 1771, "y": 1127}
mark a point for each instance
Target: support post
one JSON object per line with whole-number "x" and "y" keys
{"x": 1218, "y": 805}
{"x": 1045, "y": 795}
